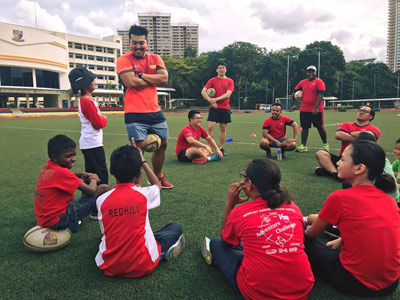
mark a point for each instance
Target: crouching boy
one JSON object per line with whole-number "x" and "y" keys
{"x": 128, "y": 247}
{"x": 56, "y": 184}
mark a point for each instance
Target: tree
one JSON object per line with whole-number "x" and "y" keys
{"x": 180, "y": 75}
{"x": 190, "y": 51}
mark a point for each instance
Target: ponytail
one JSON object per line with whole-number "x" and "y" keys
{"x": 385, "y": 182}
{"x": 266, "y": 177}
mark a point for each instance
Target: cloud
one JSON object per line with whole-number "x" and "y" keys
{"x": 84, "y": 25}
{"x": 25, "y": 12}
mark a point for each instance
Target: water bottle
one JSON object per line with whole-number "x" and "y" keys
{"x": 279, "y": 154}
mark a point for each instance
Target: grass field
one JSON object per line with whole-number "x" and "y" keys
{"x": 197, "y": 202}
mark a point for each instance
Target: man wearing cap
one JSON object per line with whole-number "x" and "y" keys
{"x": 311, "y": 108}
{"x": 141, "y": 72}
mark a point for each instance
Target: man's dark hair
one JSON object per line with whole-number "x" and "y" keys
{"x": 191, "y": 114}
{"x": 372, "y": 113}
{"x": 221, "y": 63}
{"x": 58, "y": 144}
{"x": 398, "y": 141}
{"x": 138, "y": 30}
{"x": 277, "y": 104}
{"x": 366, "y": 136}
{"x": 125, "y": 163}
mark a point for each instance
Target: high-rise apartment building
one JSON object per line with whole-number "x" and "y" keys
{"x": 183, "y": 36}
{"x": 159, "y": 27}
{"x": 393, "y": 40}
{"x": 164, "y": 39}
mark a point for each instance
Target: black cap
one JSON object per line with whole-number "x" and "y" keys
{"x": 80, "y": 78}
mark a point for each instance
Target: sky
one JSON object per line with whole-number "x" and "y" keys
{"x": 358, "y": 27}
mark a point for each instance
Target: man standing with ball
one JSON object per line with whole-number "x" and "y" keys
{"x": 219, "y": 104}
{"x": 141, "y": 73}
{"x": 311, "y": 108}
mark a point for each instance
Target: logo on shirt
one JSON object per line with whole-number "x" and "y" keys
{"x": 153, "y": 67}
{"x": 276, "y": 228}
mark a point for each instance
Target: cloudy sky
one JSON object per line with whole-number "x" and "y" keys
{"x": 358, "y": 27}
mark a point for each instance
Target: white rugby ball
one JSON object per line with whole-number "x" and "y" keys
{"x": 42, "y": 239}
{"x": 211, "y": 92}
{"x": 298, "y": 95}
{"x": 153, "y": 143}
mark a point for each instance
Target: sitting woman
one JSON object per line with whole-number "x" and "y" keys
{"x": 261, "y": 249}
{"x": 368, "y": 263}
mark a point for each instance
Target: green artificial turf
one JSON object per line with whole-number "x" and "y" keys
{"x": 197, "y": 202}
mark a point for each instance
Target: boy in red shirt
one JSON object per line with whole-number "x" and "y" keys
{"x": 56, "y": 184}
{"x": 128, "y": 247}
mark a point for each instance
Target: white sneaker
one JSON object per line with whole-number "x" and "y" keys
{"x": 176, "y": 248}
{"x": 205, "y": 250}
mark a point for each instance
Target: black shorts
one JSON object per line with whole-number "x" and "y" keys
{"x": 307, "y": 118}
{"x": 219, "y": 115}
{"x": 335, "y": 159}
{"x": 182, "y": 156}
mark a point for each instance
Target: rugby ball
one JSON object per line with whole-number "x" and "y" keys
{"x": 211, "y": 92}
{"x": 42, "y": 239}
{"x": 298, "y": 95}
{"x": 153, "y": 143}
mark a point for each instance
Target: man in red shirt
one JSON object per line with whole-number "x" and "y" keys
{"x": 189, "y": 147}
{"x": 347, "y": 133}
{"x": 219, "y": 104}
{"x": 274, "y": 129}
{"x": 141, "y": 73}
{"x": 311, "y": 108}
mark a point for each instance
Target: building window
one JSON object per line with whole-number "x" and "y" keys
{"x": 101, "y": 77}
{"x": 69, "y": 44}
{"x": 78, "y": 46}
{"x": 11, "y": 76}
{"x": 71, "y": 55}
{"x": 71, "y": 65}
{"x": 110, "y": 60}
{"x": 80, "y": 65}
{"x": 110, "y": 51}
{"x": 111, "y": 77}
{"x": 111, "y": 69}
{"x": 99, "y": 58}
{"x": 91, "y": 67}
{"x": 90, "y": 57}
{"x": 78, "y": 56}
{"x": 47, "y": 79}
{"x": 101, "y": 86}
{"x": 100, "y": 68}
{"x": 99, "y": 49}
{"x": 90, "y": 48}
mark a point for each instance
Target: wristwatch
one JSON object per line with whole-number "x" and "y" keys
{"x": 139, "y": 74}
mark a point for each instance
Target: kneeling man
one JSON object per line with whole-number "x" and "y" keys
{"x": 274, "y": 129}
{"x": 188, "y": 146}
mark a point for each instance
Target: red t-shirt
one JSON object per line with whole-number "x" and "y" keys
{"x": 141, "y": 100}
{"x": 188, "y": 131}
{"x": 54, "y": 190}
{"x": 221, "y": 86}
{"x": 310, "y": 94}
{"x": 277, "y": 128}
{"x": 369, "y": 224}
{"x": 349, "y": 127}
{"x": 128, "y": 247}
{"x": 274, "y": 264}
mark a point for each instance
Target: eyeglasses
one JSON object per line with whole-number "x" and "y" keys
{"x": 364, "y": 111}
{"x": 243, "y": 175}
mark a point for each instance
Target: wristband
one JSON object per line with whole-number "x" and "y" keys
{"x": 144, "y": 161}
{"x": 140, "y": 74}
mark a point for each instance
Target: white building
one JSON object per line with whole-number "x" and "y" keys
{"x": 393, "y": 40}
{"x": 184, "y": 35}
{"x": 34, "y": 66}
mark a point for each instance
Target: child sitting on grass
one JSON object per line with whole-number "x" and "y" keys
{"x": 56, "y": 184}
{"x": 396, "y": 163}
{"x": 128, "y": 247}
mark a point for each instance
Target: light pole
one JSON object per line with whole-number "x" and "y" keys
{"x": 341, "y": 89}
{"x": 374, "y": 86}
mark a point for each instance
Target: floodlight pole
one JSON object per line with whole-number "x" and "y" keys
{"x": 319, "y": 63}
{"x": 287, "y": 84}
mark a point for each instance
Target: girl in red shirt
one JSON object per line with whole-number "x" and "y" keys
{"x": 365, "y": 260}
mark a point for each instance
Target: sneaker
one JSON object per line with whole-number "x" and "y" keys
{"x": 223, "y": 151}
{"x": 325, "y": 147}
{"x": 164, "y": 183}
{"x": 93, "y": 216}
{"x": 199, "y": 160}
{"x": 319, "y": 171}
{"x": 205, "y": 250}
{"x": 214, "y": 158}
{"x": 176, "y": 248}
{"x": 268, "y": 153}
{"x": 302, "y": 149}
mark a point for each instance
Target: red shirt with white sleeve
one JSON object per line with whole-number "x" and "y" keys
{"x": 221, "y": 86}
{"x": 54, "y": 191}
{"x": 128, "y": 247}
{"x": 92, "y": 124}
{"x": 277, "y": 128}
{"x": 369, "y": 225}
{"x": 274, "y": 264}
{"x": 189, "y": 131}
